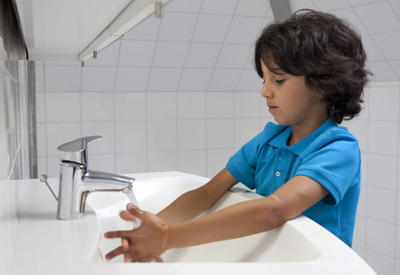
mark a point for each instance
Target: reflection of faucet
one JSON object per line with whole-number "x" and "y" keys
{"x": 77, "y": 181}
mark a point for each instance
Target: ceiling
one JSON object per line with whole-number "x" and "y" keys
{"x": 74, "y": 29}
{"x": 231, "y": 25}
{"x": 379, "y": 24}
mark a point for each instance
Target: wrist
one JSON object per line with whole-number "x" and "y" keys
{"x": 167, "y": 237}
{"x": 170, "y": 236}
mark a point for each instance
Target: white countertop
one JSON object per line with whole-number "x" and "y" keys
{"x": 34, "y": 242}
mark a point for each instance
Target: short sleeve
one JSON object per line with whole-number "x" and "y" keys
{"x": 242, "y": 165}
{"x": 336, "y": 166}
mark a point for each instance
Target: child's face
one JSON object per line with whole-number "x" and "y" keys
{"x": 290, "y": 101}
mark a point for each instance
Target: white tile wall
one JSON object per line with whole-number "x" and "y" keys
{"x": 376, "y": 235}
{"x": 191, "y": 105}
{"x": 202, "y": 55}
{"x": 224, "y": 79}
{"x": 97, "y": 106}
{"x": 191, "y": 6}
{"x": 395, "y": 64}
{"x": 180, "y": 93}
{"x": 128, "y": 162}
{"x": 130, "y": 106}
{"x": 136, "y": 53}
{"x": 60, "y": 103}
{"x": 164, "y": 79}
{"x": 386, "y": 18}
{"x": 244, "y": 130}
{"x": 382, "y": 245}
{"x": 162, "y": 161}
{"x": 384, "y": 104}
{"x": 220, "y": 133}
{"x": 227, "y": 7}
{"x": 170, "y": 54}
{"x": 161, "y": 105}
{"x": 233, "y": 56}
{"x": 132, "y": 79}
{"x": 332, "y": 5}
{"x": 383, "y": 137}
{"x": 191, "y": 135}
{"x": 252, "y": 8}
{"x": 220, "y": 105}
{"x": 385, "y": 42}
{"x": 373, "y": 52}
{"x": 99, "y": 79}
{"x": 69, "y": 82}
{"x": 378, "y": 21}
{"x": 162, "y": 135}
{"x": 244, "y": 30}
{"x": 193, "y": 162}
{"x": 211, "y": 28}
{"x": 382, "y": 171}
{"x": 381, "y": 201}
{"x": 177, "y": 26}
{"x": 195, "y": 79}
{"x": 131, "y": 136}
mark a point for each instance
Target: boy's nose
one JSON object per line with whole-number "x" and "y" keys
{"x": 266, "y": 91}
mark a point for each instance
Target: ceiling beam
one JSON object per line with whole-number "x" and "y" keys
{"x": 280, "y": 9}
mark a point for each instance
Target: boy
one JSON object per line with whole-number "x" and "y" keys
{"x": 313, "y": 68}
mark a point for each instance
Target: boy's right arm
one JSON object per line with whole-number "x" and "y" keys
{"x": 193, "y": 203}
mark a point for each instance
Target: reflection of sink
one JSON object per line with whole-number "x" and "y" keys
{"x": 297, "y": 242}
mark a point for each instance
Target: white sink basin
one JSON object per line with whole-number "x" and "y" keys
{"x": 300, "y": 241}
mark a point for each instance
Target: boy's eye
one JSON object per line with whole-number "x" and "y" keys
{"x": 279, "y": 80}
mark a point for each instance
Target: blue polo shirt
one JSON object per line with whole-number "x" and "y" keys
{"x": 330, "y": 155}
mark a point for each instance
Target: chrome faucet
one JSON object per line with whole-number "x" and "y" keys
{"x": 77, "y": 181}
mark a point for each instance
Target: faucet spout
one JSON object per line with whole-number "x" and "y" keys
{"x": 103, "y": 181}
{"x": 77, "y": 182}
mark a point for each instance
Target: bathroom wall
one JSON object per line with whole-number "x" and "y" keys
{"x": 179, "y": 93}
{"x": 14, "y": 154}
{"x": 14, "y": 133}
{"x": 377, "y": 232}
{"x": 175, "y": 93}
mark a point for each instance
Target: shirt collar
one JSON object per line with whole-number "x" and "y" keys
{"x": 280, "y": 141}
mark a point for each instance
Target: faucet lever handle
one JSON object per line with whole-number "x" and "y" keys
{"x": 76, "y": 150}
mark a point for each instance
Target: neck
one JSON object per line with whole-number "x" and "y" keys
{"x": 300, "y": 132}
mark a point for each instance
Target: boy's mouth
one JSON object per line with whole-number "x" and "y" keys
{"x": 272, "y": 108}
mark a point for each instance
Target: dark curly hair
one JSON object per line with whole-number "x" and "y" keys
{"x": 324, "y": 49}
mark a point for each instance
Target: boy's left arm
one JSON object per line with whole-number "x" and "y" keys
{"x": 154, "y": 237}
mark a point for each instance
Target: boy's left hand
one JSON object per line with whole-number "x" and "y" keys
{"x": 142, "y": 244}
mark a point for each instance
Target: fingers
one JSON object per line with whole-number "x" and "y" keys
{"x": 117, "y": 234}
{"x": 127, "y": 217}
{"x": 128, "y": 258}
{"x": 125, "y": 243}
{"x": 134, "y": 211}
{"x": 158, "y": 259}
{"x": 131, "y": 256}
{"x": 115, "y": 253}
